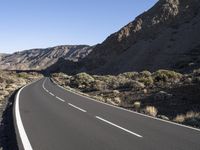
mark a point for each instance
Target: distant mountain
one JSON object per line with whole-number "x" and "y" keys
{"x": 2, "y": 55}
{"x": 166, "y": 36}
{"x": 37, "y": 59}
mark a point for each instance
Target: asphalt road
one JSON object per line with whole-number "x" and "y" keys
{"x": 51, "y": 118}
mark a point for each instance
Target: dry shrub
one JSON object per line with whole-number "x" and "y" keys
{"x": 179, "y": 118}
{"x": 146, "y": 80}
{"x": 145, "y": 73}
{"x": 98, "y": 85}
{"x": 151, "y": 110}
{"x": 187, "y": 117}
{"x": 166, "y": 75}
{"x": 137, "y": 105}
{"x": 112, "y": 82}
{"x": 81, "y": 80}
{"x": 130, "y": 75}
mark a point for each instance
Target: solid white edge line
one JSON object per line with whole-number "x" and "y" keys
{"x": 133, "y": 133}
{"x": 77, "y": 107}
{"x": 24, "y": 138}
{"x": 22, "y": 133}
{"x": 51, "y": 94}
{"x": 131, "y": 111}
{"x": 60, "y": 99}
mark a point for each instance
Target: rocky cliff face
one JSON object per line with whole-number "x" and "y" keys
{"x": 166, "y": 36}
{"x": 37, "y": 59}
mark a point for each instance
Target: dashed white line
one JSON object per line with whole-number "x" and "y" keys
{"x": 60, "y": 99}
{"x": 130, "y": 111}
{"x": 118, "y": 126}
{"x": 50, "y": 92}
{"x": 77, "y": 107}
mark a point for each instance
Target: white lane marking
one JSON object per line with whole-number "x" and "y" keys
{"x": 133, "y": 133}
{"x": 51, "y": 94}
{"x": 22, "y": 133}
{"x": 60, "y": 99}
{"x": 131, "y": 111}
{"x": 77, "y": 107}
{"x": 43, "y": 84}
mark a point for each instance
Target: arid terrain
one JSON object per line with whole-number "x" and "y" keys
{"x": 165, "y": 94}
{"x": 10, "y": 81}
{"x": 150, "y": 66}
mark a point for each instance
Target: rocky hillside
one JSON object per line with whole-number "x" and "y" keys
{"x": 166, "y": 36}
{"x": 37, "y": 59}
{"x": 2, "y": 55}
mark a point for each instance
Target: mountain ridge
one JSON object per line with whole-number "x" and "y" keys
{"x": 164, "y": 37}
{"x": 38, "y": 59}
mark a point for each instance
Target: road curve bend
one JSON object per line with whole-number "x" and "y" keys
{"x": 48, "y": 117}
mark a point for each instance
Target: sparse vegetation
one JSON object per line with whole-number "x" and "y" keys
{"x": 23, "y": 75}
{"x": 191, "y": 118}
{"x": 162, "y": 94}
{"x": 137, "y": 105}
{"x": 10, "y": 81}
{"x": 166, "y": 76}
{"x": 151, "y": 110}
{"x": 82, "y": 81}
{"x": 146, "y": 80}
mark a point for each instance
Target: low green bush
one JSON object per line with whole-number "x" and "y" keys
{"x": 146, "y": 80}
{"x": 130, "y": 75}
{"x": 81, "y": 80}
{"x": 165, "y": 75}
{"x": 22, "y": 75}
{"x": 145, "y": 74}
{"x": 98, "y": 85}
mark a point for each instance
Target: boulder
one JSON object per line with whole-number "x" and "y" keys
{"x": 163, "y": 117}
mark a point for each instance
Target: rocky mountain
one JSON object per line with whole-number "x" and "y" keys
{"x": 2, "y": 55}
{"x": 166, "y": 36}
{"x": 37, "y": 59}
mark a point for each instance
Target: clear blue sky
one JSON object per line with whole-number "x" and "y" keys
{"x": 26, "y": 24}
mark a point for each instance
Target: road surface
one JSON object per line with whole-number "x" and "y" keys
{"x": 48, "y": 117}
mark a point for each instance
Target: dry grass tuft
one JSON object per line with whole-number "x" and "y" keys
{"x": 186, "y": 117}
{"x": 151, "y": 110}
{"x": 137, "y": 105}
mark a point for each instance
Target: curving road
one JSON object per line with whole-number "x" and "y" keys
{"x": 48, "y": 117}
